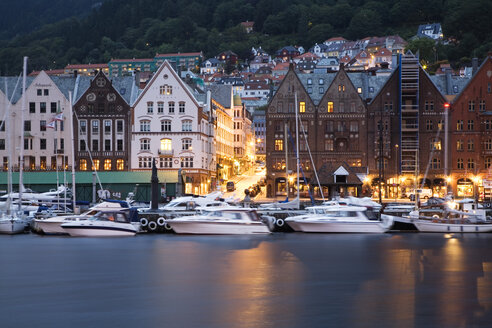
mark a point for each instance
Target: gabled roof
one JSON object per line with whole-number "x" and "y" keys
{"x": 289, "y": 49}
{"x": 307, "y": 55}
{"x": 434, "y": 27}
{"x": 469, "y": 80}
{"x": 327, "y": 177}
{"x": 221, "y": 94}
{"x": 12, "y": 81}
{"x": 383, "y": 52}
{"x": 166, "y": 64}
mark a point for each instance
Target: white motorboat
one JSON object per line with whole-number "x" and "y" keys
{"x": 30, "y": 201}
{"x": 312, "y": 212}
{"x": 192, "y": 203}
{"x": 52, "y": 225}
{"x": 233, "y": 220}
{"x": 342, "y": 218}
{"x": 103, "y": 224}
{"x": 11, "y": 224}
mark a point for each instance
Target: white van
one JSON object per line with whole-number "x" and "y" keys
{"x": 425, "y": 193}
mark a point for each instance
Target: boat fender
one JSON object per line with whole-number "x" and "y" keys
{"x": 280, "y": 222}
{"x": 161, "y": 221}
{"x": 144, "y": 222}
{"x": 167, "y": 226}
{"x": 152, "y": 226}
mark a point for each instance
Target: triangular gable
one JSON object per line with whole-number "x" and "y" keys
{"x": 341, "y": 171}
{"x": 489, "y": 58}
{"x": 164, "y": 65}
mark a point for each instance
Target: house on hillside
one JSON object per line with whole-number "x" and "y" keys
{"x": 432, "y": 31}
{"x": 210, "y": 66}
{"x": 287, "y": 53}
{"x": 248, "y": 26}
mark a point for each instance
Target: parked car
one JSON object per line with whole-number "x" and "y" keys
{"x": 230, "y": 186}
{"x": 425, "y": 193}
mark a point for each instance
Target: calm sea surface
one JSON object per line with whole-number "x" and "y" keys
{"x": 282, "y": 280}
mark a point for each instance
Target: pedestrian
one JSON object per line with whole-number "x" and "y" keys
{"x": 247, "y": 199}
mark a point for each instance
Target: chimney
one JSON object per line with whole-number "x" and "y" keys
{"x": 474, "y": 65}
{"x": 137, "y": 77}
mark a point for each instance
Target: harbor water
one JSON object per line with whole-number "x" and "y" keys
{"x": 280, "y": 280}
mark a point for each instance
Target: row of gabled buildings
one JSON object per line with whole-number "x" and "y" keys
{"x": 120, "y": 129}
{"x": 385, "y": 129}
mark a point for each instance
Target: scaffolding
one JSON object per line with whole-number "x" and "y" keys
{"x": 409, "y": 113}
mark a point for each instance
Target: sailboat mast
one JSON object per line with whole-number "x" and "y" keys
{"x": 73, "y": 150}
{"x": 286, "y": 127}
{"x": 21, "y": 155}
{"x": 297, "y": 144}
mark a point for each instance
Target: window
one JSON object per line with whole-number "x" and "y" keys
{"x": 160, "y": 107}
{"x": 186, "y": 161}
{"x": 2, "y": 126}
{"x": 39, "y": 92}
{"x": 459, "y": 163}
{"x": 32, "y": 107}
{"x": 321, "y": 90}
{"x": 119, "y": 145}
{"x": 321, "y": 81}
{"x": 384, "y": 163}
{"x": 82, "y": 145}
{"x": 354, "y": 126}
{"x": 470, "y": 125}
{"x": 181, "y": 107}
{"x": 429, "y": 125}
{"x": 309, "y": 81}
{"x": 459, "y": 145}
{"x": 46, "y": 92}
{"x": 42, "y": 144}
{"x": 471, "y": 164}
{"x": 107, "y": 127}
{"x": 329, "y": 126}
{"x": 166, "y": 89}
{"x": 488, "y": 144}
{"x": 42, "y": 162}
{"x": 119, "y": 126}
{"x": 83, "y": 165}
{"x": 310, "y": 90}
{"x": 186, "y": 126}
{"x": 83, "y": 127}
{"x": 488, "y": 162}
{"x": 144, "y": 144}
{"x": 27, "y": 125}
{"x": 471, "y": 106}
{"x": 145, "y": 162}
{"x": 459, "y": 125}
{"x": 107, "y": 145}
{"x": 359, "y": 90}
{"x": 2, "y": 144}
{"x": 471, "y": 145}
{"x": 150, "y": 107}
{"x": 120, "y": 164}
{"x": 481, "y": 105}
{"x": 53, "y": 107}
{"x": 166, "y": 162}
{"x": 95, "y": 127}
{"x": 341, "y": 107}
{"x": 145, "y": 126}
{"x": 171, "y": 107}
{"x": 440, "y": 125}
{"x": 186, "y": 144}
{"x": 429, "y": 105}
{"x": 302, "y": 107}
{"x": 42, "y": 125}
{"x": 341, "y": 127}
{"x": 328, "y": 145}
{"x": 95, "y": 165}
{"x": 279, "y": 144}
{"x": 330, "y": 107}
{"x": 352, "y": 107}
{"x": 436, "y": 163}
{"x": 95, "y": 145}
{"x": 166, "y": 126}
{"x": 107, "y": 165}
{"x": 435, "y": 145}
{"x": 166, "y": 144}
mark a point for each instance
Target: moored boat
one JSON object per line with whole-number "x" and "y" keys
{"x": 103, "y": 224}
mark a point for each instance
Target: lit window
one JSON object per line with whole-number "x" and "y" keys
{"x": 302, "y": 107}
{"x": 120, "y": 164}
{"x": 359, "y": 90}
{"x": 95, "y": 165}
{"x": 436, "y": 145}
{"x": 107, "y": 165}
{"x": 330, "y": 107}
{"x": 279, "y": 144}
{"x": 83, "y": 165}
{"x": 166, "y": 144}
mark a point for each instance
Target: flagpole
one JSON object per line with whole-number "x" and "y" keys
{"x": 70, "y": 113}
{"x": 21, "y": 166}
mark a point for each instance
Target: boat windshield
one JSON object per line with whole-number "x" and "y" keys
{"x": 110, "y": 216}
{"x": 224, "y": 214}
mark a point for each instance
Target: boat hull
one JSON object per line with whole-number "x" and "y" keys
{"x": 86, "y": 230}
{"x": 448, "y": 227}
{"x": 11, "y": 227}
{"x": 342, "y": 227}
{"x": 213, "y": 228}
{"x": 50, "y": 228}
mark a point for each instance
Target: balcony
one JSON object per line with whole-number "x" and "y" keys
{"x": 165, "y": 152}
